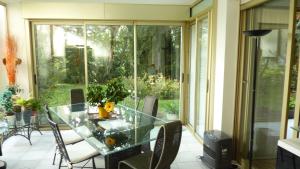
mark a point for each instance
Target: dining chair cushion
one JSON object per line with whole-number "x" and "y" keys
{"x": 70, "y": 137}
{"x": 137, "y": 162}
{"x": 81, "y": 151}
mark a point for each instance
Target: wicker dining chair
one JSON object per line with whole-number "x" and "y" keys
{"x": 69, "y": 136}
{"x": 150, "y": 107}
{"x": 75, "y": 153}
{"x": 165, "y": 150}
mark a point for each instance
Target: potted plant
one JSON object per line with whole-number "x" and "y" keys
{"x": 172, "y": 110}
{"x": 106, "y": 96}
{"x": 30, "y": 106}
{"x": 7, "y": 105}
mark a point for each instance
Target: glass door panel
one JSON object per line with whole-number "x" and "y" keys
{"x": 270, "y": 78}
{"x": 59, "y": 56}
{"x": 110, "y": 55}
{"x": 294, "y": 75}
{"x": 192, "y": 76}
{"x": 158, "y": 67}
{"x": 202, "y": 74}
{"x": 59, "y": 62}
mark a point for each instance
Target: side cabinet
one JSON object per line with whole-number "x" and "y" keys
{"x": 286, "y": 159}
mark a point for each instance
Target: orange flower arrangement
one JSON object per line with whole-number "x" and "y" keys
{"x": 11, "y": 60}
{"x": 109, "y": 106}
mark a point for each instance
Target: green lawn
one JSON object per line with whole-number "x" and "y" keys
{"x": 60, "y": 95}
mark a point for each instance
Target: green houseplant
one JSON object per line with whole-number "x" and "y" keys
{"x": 106, "y": 96}
{"x": 31, "y": 107}
{"x": 6, "y": 104}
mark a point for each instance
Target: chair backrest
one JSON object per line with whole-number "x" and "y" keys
{"x": 150, "y": 105}
{"x": 167, "y": 145}
{"x": 59, "y": 140}
{"x": 77, "y": 100}
{"x": 77, "y": 96}
{"x": 46, "y": 109}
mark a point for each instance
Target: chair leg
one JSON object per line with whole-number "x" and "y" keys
{"x": 94, "y": 165}
{"x": 53, "y": 163}
{"x": 60, "y": 161}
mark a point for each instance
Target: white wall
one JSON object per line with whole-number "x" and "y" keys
{"x": 16, "y": 28}
{"x": 3, "y": 29}
{"x": 226, "y": 64}
{"x": 94, "y": 10}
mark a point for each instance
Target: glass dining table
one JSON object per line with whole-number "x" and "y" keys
{"x": 116, "y": 138}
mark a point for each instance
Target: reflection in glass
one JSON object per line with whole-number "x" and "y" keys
{"x": 270, "y": 78}
{"x": 202, "y": 74}
{"x": 192, "y": 76}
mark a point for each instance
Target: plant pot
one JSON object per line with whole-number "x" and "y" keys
{"x": 27, "y": 115}
{"x": 103, "y": 114}
{"x": 172, "y": 116}
{"x": 18, "y": 116}
{"x": 33, "y": 118}
{"x": 11, "y": 119}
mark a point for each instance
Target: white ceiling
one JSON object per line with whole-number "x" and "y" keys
{"x": 162, "y": 2}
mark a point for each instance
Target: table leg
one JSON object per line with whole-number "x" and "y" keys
{"x": 112, "y": 160}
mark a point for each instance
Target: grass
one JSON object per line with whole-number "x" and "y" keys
{"x": 60, "y": 95}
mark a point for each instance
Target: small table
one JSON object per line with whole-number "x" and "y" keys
{"x": 116, "y": 138}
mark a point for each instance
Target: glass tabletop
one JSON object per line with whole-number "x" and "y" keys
{"x": 125, "y": 128}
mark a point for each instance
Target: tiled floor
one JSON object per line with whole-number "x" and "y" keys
{"x": 18, "y": 153}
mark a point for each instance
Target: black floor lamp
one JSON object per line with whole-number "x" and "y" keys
{"x": 256, "y": 34}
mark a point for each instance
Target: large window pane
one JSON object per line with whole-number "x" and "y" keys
{"x": 158, "y": 66}
{"x": 59, "y": 52}
{"x": 110, "y": 55}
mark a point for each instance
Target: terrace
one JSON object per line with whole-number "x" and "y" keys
{"x": 115, "y": 73}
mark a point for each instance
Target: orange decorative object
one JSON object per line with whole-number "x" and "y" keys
{"x": 103, "y": 114}
{"x": 10, "y": 59}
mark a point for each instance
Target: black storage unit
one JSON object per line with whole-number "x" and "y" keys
{"x": 286, "y": 159}
{"x": 217, "y": 150}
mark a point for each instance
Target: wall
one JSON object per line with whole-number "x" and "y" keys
{"x": 226, "y": 64}
{"x": 20, "y": 12}
{"x": 93, "y": 10}
{"x": 16, "y": 27}
{"x": 3, "y": 30}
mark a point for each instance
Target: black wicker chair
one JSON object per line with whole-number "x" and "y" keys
{"x": 150, "y": 107}
{"x": 75, "y": 153}
{"x": 165, "y": 150}
{"x": 69, "y": 137}
{"x": 77, "y": 100}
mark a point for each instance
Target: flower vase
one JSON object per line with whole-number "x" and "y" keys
{"x": 102, "y": 113}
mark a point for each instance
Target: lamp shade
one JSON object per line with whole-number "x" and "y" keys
{"x": 257, "y": 32}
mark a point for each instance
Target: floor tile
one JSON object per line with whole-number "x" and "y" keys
{"x": 19, "y": 154}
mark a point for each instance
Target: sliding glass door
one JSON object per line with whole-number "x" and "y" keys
{"x": 203, "y": 61}
{"x": 192, "y": 76}
{"x": 270, "y": 77}
{"x": 74, "y": 56}
{"x": 199, "y": 75}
